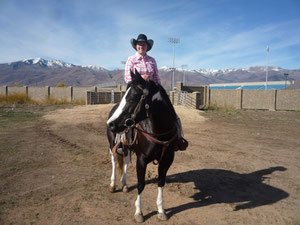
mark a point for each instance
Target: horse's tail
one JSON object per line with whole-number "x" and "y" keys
{"x": 120, "y": 164}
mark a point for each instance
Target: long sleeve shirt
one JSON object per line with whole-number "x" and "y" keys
{"x": 143, "y": 64}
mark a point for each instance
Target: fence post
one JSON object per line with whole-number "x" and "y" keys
{"x": 71, "y": 94}
{"x": 196, "y": 96}
{"x": 88, "y": 97}
{"x": 275, "y": 105}
{"x": 178, "y": 98}
{"x": 179, "y": 87}
{"x": 206, "y": 95}
{"x": 112, "y": 96}
{"x": 241, "y": 103}
{"x": 172, "y": 93}
{"x": 209, "y": 95}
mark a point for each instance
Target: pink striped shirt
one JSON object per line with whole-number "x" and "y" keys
{"x": 144, "y": 65}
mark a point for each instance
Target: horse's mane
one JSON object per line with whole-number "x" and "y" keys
{"x": 166, "y": 98}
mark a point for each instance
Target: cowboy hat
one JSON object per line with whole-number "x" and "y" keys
{"x": 142, "y": 38}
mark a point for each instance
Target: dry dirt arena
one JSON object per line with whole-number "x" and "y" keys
{"x": 242, "y": 167}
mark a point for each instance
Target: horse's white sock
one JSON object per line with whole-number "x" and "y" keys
{"x": 159, "y": 202}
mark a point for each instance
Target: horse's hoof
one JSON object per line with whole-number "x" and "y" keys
{"x": 112, "y": 189}
{"x": 125, "y": 189}
{"x": 139, "y": 218}
{"x": 162, "y": 216}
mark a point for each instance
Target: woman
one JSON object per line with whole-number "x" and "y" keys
{"x": 140, "y": 61}
{"x": 146, "y": 66}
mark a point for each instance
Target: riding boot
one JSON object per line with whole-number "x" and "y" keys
{"x": 119, "y": 138}
{"x": 182, "y": 144}
{"x": 120, "y": 149}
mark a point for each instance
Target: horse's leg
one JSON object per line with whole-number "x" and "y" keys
{"x": 162, "y": 172}
{"x": 141, "y": 166}
{"x": 112, "y": 186}
{"x": 123, "y": 179}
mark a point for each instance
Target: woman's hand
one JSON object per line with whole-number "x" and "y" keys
{"x": 145, "y": 76}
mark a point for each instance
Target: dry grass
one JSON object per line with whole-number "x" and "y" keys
{"x": 56, "y": 101}
{"x": 22, "y": 98}
{"x": 225, "y": 108}
{"x": 17, "y": 98}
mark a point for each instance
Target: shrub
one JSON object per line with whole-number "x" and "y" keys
{"x": 211, "y": 107}
{"x": 61, "y": 85}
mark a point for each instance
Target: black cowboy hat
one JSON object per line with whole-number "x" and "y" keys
{"x": 142, "y": 38}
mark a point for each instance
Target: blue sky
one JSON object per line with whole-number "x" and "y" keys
{"x": 214, "y": 34}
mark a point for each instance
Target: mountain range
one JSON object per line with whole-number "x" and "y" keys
{"x": 41, "y": 72}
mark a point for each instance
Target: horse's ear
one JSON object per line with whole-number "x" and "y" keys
{"x": 136, "y": 76}
{"x": 137, "y": 73}
{"x": 133, "y": 76}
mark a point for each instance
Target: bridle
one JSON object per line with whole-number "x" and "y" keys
{"x": 130, "y": 122}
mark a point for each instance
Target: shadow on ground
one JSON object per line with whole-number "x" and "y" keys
{"x": 223, "y": 186}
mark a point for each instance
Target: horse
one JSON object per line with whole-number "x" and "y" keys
{"x": 148, "y": 121}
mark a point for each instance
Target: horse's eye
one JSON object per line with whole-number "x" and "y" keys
{"x": 133, "y": 98}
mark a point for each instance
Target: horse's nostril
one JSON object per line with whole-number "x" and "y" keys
{"x": 111, "y": 125}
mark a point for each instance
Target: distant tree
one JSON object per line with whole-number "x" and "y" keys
{"x": 61, "y": 85}
{"x": 16, "y": 85}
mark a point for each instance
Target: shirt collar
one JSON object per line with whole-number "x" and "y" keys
{"x": 139, "y": 56}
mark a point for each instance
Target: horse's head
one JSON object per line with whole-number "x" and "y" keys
{"x": 134, "y": 106}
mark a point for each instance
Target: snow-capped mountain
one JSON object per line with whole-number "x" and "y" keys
{"x": 97, "y": 68}
{"x": 214, "y": 72}
{"x": 43, "y": 62}
{"x": 41, "y": 72}
{"x": 232, "y": 75}
{"x": 59, "y": 63}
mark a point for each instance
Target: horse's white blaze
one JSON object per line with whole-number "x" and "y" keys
{"x": 127, "y": 160}
{"x": 157, "y": 97}
{"x": 138, "y": 205}
{"x": 113, "y": 175}
{"x": 120, "y": 109}
{"x": 160, "y": 202}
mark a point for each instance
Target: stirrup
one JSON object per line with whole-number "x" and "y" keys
{"x": 182, "y": 144}
{"x": 120, "y": 151}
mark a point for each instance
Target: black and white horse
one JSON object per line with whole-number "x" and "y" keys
{"x": 146, "y": 114}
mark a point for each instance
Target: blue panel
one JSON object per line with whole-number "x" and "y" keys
{"x": 253, "y": 87}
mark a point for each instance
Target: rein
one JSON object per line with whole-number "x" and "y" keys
{"x": 150, "y": 137}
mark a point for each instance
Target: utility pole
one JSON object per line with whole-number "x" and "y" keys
{"x": 173, "y": 41}
{"x": 267, "y": 68}
{"x": 184, "y": 66}
{"x": 123, "y": 78}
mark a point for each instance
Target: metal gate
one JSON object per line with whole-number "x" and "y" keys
{"x": 185, "y": 99}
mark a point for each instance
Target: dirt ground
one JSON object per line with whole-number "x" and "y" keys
{"x": 242, "y": 167}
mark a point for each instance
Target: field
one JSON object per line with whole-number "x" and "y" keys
{"x": 242, "y": 167}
